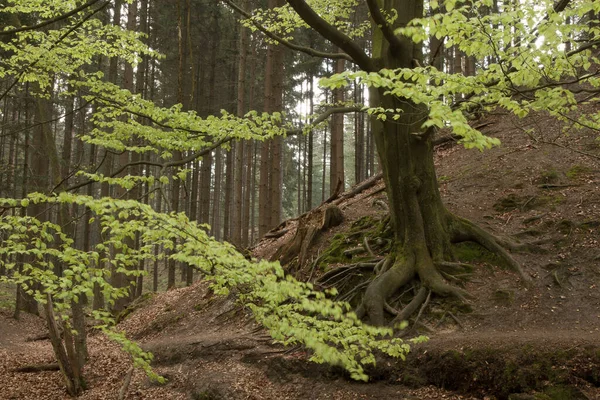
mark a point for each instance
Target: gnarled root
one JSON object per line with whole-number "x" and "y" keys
{"x": 402, "y": 267}
{"x": 465, "y": 230}
{"x": 383, "y": 286}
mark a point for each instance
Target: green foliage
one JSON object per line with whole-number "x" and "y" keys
{"x": 293, "y": 311}
{"x": 531, "y": 66}
{"x": 577, "y": 171}
{"x": 284, "y": 22}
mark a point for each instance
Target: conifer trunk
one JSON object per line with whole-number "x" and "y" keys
{"x": 336, "y": 156}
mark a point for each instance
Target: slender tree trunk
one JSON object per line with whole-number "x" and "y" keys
{"x": 248, "y": 191}
{"x": 253, "y": 201}
{"x": 216, "y": 215}
{"x": 236, "y": 225}
{"x": 248, "y": 221}
{"x": 271, "y": 152}
{"x": 264, "y": 198}
{"x": 119, "y": 279}
{"x": 311, "y": 145}
{"x": 336, "y": 163}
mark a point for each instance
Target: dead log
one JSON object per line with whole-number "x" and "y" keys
{"x": 332, "y": 216}
{"x": 309, "y": 237}
{"x": 38, "y": 368}
{"x": 337, "y": 192}
{"x": 276, "y": 234}
{"x": 366, "y": 184}
{"x": 298, "y": 245}
{"x": 43, "y": 336}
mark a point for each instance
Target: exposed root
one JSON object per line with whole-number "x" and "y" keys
{"x": 379, "y": 266}
{"x": 452, "y": 267}
{"x": 367, "y": 247}
{"x": 349, "y": 295}
{"x": 340, "y": 272}
{"x": 423, "y": 307}
{"x": 387, "y": 263}
{"x": 442, "y": 288}
{"x": 412, "y": 307}
{"x": 530, "y": 247}
{"x": 390, "y": 309}
{"x": 383, "y": 286}
{"x": 470, "y": 231}
{"x": 431, "y": 261}
{"x": 455, "y": 318}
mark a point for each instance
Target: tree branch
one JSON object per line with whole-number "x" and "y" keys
{"x": 50, "y": 21}
{"x": 382, "y": 24}
{"x": 115, "y": 104}
{"x": 58, "y": 41}
{"x": 162, "y": 166}
{"x": 323, "y": 116}
{"x": 307, "y": 50}
{"x": 359, "y": 57}
{"x": 583, "y": 47}
{"x": 558, "y": 7}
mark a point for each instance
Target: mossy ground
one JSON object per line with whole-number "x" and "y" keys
{"x": 549, "y": 375}
{"x": 367, "y": 227}
{"x": 7, "y": 296}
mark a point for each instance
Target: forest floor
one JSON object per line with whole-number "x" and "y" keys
{"x": 540, "y": 186}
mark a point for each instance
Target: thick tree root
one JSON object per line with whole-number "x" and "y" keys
{"x": 383, "y": 286}
{"x": 468, "y": 231}
{"x": 399, "y": 269}
{"x": 412, "y": 307}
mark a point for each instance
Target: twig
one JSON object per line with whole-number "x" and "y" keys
{"x": 442, "y": 319}
{"x": 574, "y": 150}
{"x": 126, "y": 382}
{"x": 455, "y": 318}
{"x": 350, "y": 294}
{"x": 367, "y": 247}
{"x": 423, "y": 307}
{"x": 334, "y": 273}
{"x": 50, "y": 21}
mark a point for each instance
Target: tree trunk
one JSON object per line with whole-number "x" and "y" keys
{"x": 359, "y": 134}
{"x": 119, "y": 279}
{"x": 236, "y": 221}
{"x": 271, "y": 152}
{"x": 423, "y": 228}
{"x": 311, "y": 146}
{"x": 216, "y": 215}
{"x": 336, "y": 155}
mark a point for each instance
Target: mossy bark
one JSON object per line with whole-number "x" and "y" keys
{"x": 424, "y": 229}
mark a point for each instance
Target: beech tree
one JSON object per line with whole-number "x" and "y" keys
{"x": 58, "y": 49}
{"x": 409, "y": 101}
